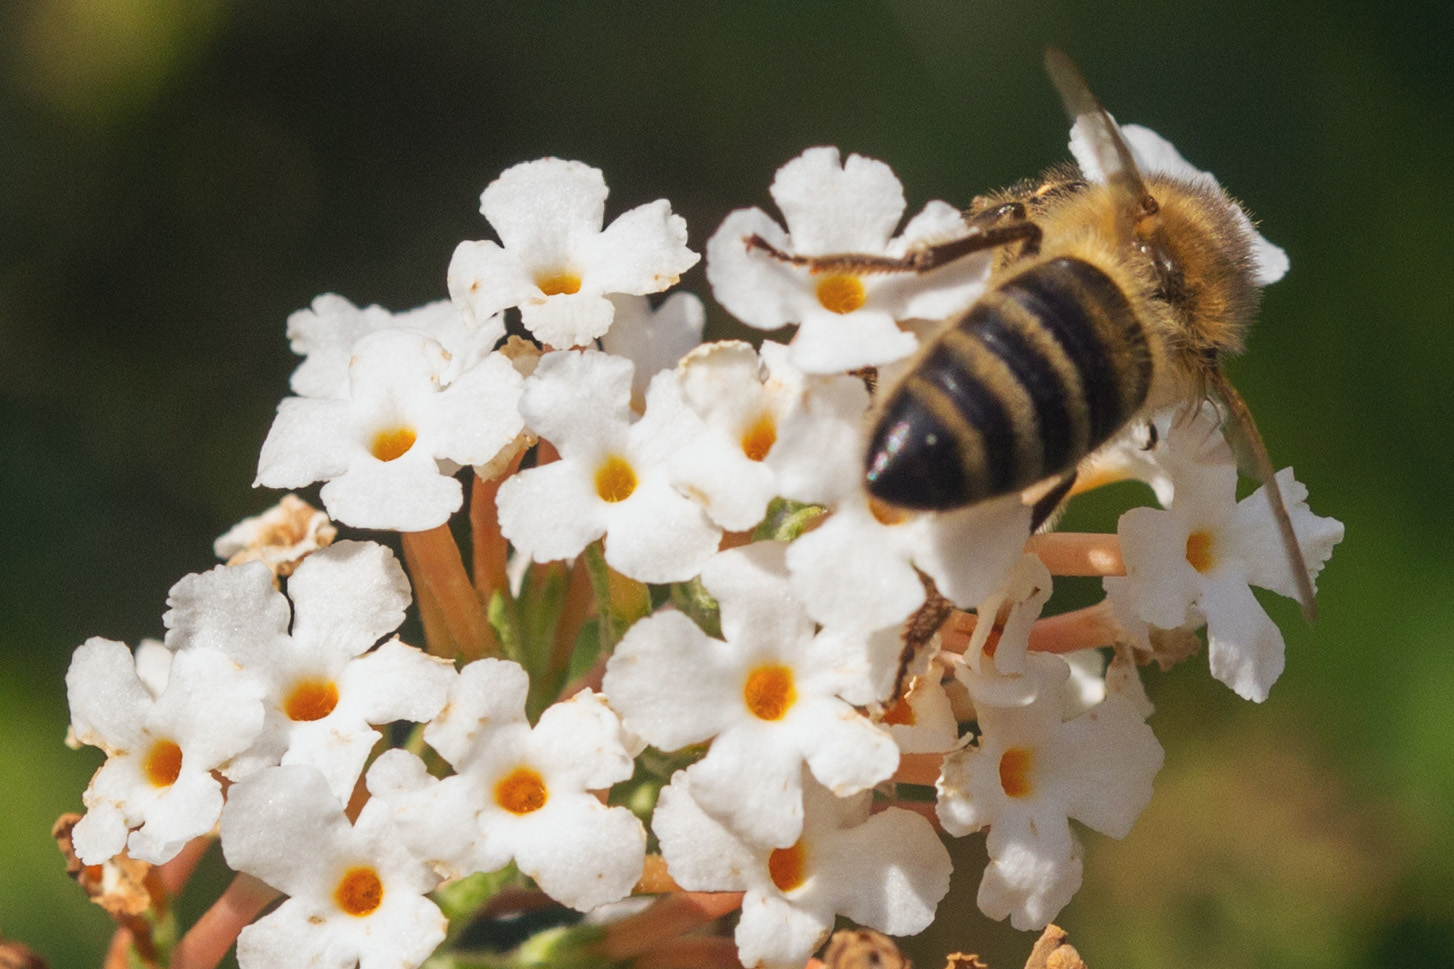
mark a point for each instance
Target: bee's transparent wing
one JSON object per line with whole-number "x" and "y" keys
{"x": 1110, "y": 148}
{"x": 1247, "y": 442}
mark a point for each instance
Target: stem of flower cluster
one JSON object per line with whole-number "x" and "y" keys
{"x": 208, "y": 940}
{"x": 1079, "y": 629}
{"x": 1067, "y": 632}
{"x": 691, "y": 952}
{"x": 435, "y": 562}
{"x": 666, "y": 919}
{"x": 490, "y": 551}
{"x": 1078, "y": 553}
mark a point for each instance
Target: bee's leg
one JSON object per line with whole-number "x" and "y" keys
{"x": 918, "y": 260}
{"x": 1015, "y": 213}
{"x": 1045, "y": 508}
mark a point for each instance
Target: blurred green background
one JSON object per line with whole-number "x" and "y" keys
{"x": 176, "y": 176}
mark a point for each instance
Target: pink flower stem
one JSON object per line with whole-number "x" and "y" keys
{"x": 491, "y": 551}
{"x": 1078, "y": 553}
{"x": 665, "y": 920}
{"x": 208, "y": 940}
{"x": 1079, "y": 629}
{"x": 691, "y": 952}
{"x": 436, "y": 564}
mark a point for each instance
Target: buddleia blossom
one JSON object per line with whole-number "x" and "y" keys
{"x": 749, "y": 400}
{"x": 156, "y": 790}
{"x": 780, "y": 681}
{"x": 520, "y": 793}
{"x": 388, "y": 447}
{"x": 326, "y": 333}
{"x": 555, "y": 262}
{"x": 357, "y": 896}
{"x": 887, "y": 871}
{"x": 613, "y": 478}
{"x": 847, "y": 319}
{"x": 1202, "y": 555}
{"x": 1028, "y": 774}
{"x": 653, "y": 339}
{"x": 312, "y": 654}
{"x": 771, "y": 696}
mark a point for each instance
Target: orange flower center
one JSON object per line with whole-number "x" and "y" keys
{"x": 163, "y": 763}
{"x": 522, "y": 791}
{"x": 359, "y": 892}
{"x": 556, "y": 284}
{"x": 901, "y": 714}
{"x": 615, "y": 479}
{"x": 1199, "y": 551}
{"x": 393, "y": 443}
{"x": 760, "y": 437}
{"x": 788, "y": 867}
{"x": 1015, "y": 772}
{"x": 311, "y": 700}
{"x": 841, "y": 294}
{"x": 769, "y": 692}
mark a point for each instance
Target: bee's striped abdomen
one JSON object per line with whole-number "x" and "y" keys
{"x": 1038, "y": 373}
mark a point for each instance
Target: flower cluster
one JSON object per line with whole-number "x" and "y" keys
{"x": 686, "y": 614}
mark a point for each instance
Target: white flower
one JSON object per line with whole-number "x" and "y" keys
{"x": 860, "y": 568}
{"x": 520, "y": 793}
{"x": 357, "y": 896}
{"x": 847, "y": 319}
{"x": 323, "y": 686}
{"x": 1203, "y": 554}
{"x": 1154, "y": 155}
{"x": 613, "y": 477}
{"x": 750, "y": 400}
{"x": 389, "y": 448}
{"x": 556, "y": 263}
{"x": 326, "y": 332}
{"x": 888, "y": 871}
{"x": 1029, "y": 774}
{"x": 653, "y": 340}
{"x": 1172, "y": 444}
{"x": 922, "y": 721}
{"x": 156, "y": 791}
{"x": 771, "y": 697}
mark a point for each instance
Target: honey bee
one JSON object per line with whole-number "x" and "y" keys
{"x": 1110, "y": 300}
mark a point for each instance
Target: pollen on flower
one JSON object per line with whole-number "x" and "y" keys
{"x": 615, "y": 479}
{"x": 558, "y": 284}
{"x": 163, "y": 763}
{"x": 759, "y": 438}
{"x": 992, "y": 641}
{"x": 392, "y": 443}
{"x": 522, "y": 791}
{"x": 901, "y": 714}
{"x": 311, "y": 700}
{"x": 841, "y": 294}
{"x": 1015, "y": 772}
{"x": 359, "y": 892}
{"x": 788, "y": 867}
{"x": 769, "y": 692}
{"x": 1199, "y": 550}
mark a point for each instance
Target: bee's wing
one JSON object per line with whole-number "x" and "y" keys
{"x": 1245, "y": 439}
{"x": 1111, "y": 151}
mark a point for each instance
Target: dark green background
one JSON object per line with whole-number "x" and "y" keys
{"x": 176, "y": 177}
